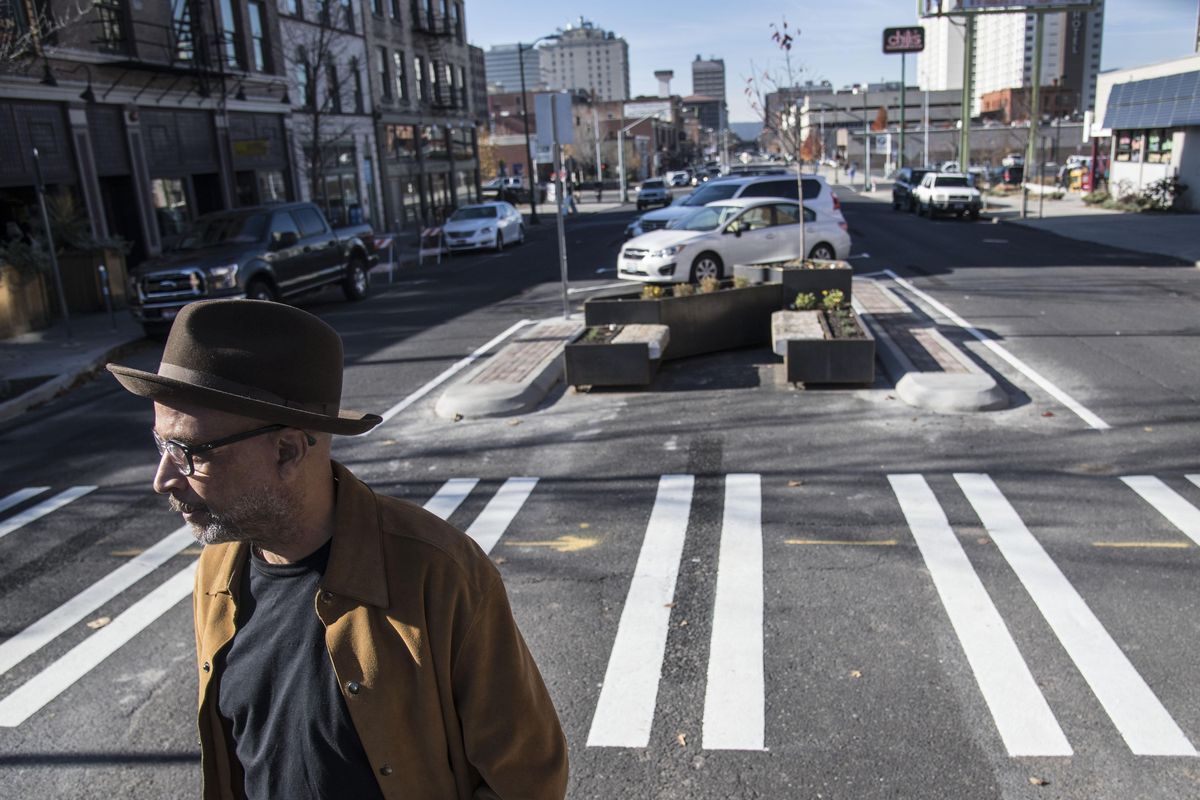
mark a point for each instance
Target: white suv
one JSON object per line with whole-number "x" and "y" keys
{"x": 947, "y": 192}
{"x": 817, "y": 196}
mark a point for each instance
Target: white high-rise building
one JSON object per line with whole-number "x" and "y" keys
{"x": 590, "y": 59}
{"x": 1004, "y": 43}
{"x": 503, "y": 65}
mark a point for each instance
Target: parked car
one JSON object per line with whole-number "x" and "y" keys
{"x": 679, "y": 178}
{"x": 510, "y": 189}
{"x": 653, "y": 192}
{"x": 817, "y": 195}
{"x": 1013, "y": 160}
{"x": 269, "y": 252}
{"x": 712, "y": 238}
{"x": 947, "y": 192}
{"x": 907, "y": 179}
{"x": 484, "y": 225}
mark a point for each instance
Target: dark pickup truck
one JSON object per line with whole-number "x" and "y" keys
{"x": 262, "y": 252}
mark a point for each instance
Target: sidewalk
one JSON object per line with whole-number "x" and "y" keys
{"x": 1168, "y": 234}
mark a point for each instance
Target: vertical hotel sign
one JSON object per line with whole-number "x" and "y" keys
{"x": 904, "y": 40}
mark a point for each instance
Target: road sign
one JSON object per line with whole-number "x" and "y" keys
{"x": 566, "y": 128}
{"x": 904, "y": 40}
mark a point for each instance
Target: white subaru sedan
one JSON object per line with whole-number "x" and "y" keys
{"x": 711, "y": 239}
{"x": 484, "y": 225}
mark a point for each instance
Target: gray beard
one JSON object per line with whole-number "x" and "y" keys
{"x": 260, "y": 515}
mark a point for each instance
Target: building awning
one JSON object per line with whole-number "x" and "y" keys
{"x": 1171, "y": 101}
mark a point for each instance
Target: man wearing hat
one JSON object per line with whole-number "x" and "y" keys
{"x": 348, "y": 645}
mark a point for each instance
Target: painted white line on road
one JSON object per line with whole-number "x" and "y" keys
{"x": 449, "y": 373}
{"x": 625, "y": 711}
{"x": 20, "y": 496}
{"x": 1139, "y": 716}
{"x": 33, "y": 638}
{"x": 498, "y": 514}
{"x": 450, "y": 496}
{"x": 734, "y": 701}
{"x": 43, "y": 508}
{"x": 1029, "y": 372}
{"x": 55, "y": 679}
{"x": 1026, "y": 724}
{"x": 1179, "y": 512}
{"x": 581, "y": 289}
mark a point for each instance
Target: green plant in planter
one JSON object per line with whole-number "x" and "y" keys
{"x": 652, "y": 291}
{"x": 832, "y": 298}
{"x": 683, "y": 290}
{"x": 709, "y": 285}
{"x": 805, "y": 301}
{"x": 741, "y": 282}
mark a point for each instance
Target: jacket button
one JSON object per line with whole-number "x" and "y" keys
{"x": 352, "y": 687}
{"x": 206, "y": 667}
{"x": 385, "y": 770}
{"x": 326, "y": 597}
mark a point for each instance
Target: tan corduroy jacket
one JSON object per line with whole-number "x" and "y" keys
{"x": 440, "y": 686}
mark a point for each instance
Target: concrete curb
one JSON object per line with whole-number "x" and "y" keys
{"x": 44, "y": 392}
{"x": 466, "y": 399}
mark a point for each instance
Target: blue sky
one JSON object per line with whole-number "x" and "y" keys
{"x": 839, "y": 41}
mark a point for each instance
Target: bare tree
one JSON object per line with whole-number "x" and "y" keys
{"x": 781, "y": 120}
{"x": 25, "y": 26}
{"x": 329, "y": 80}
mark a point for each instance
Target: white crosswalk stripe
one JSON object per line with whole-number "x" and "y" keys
{"x": 20, "y": 496}
{"x": 625, "y": 711}
{"x": 1026, "y": 724}
{"x": 450, "y": 496}
{"x": 496, "y": 516}
{"x": 734, "y": 701}
{"x": 1179, "y": 512}
{"x": 1133, "y": 707}
{"x": 43, "y": 508}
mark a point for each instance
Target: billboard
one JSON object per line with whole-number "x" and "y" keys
{"x": 646, "y": 108}
{"x": 904, "y": 40}
{"x": 941, "y": 8}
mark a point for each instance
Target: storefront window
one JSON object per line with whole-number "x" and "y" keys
{"x": 410, "y": 203}
{"x": 170, "y": 206}
{"x": 1158, "y": 146}
{"x": 433, "y": 142}
{"x": 462, "y": 144}
{"x": 271, "y": 187}
{"x": 1125, "y": 146}
{"x": 401, "y": 142}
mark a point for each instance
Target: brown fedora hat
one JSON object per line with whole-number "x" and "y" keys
{"x": 255, "y": 358}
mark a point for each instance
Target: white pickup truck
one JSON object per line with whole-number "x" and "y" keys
{"x": 947, "y": 193}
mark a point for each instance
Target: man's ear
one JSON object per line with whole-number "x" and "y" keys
{"x": 293, "y": 445}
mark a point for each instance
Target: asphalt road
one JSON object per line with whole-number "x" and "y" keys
{"x": 841, "y": 596}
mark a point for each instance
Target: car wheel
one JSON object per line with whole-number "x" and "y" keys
{"x": 822, "y": 252}
{"x": 357, "y": 282}
{"x": 912, "y": 206}
{"x": 499, "y": 241}
{"x": 920, "y": 209}
{"x": 521, "y": 237}
{"x": 706, "y": 265}
{"x": 259, "y": 289}
{"x": 974, "y": 213}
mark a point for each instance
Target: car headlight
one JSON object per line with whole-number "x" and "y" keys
{"x": 667, "y": 252}
{"x": 488, "y": 229}
{"x": 224, "y": 277}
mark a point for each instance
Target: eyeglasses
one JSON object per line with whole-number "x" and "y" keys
{"x": 181, "y": 454}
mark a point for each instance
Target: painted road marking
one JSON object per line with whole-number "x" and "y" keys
{"x": 43, "y": 508}
{"x": 1026, "y": 370}
{"x": 735, "y": 700}
{"x": 55, "y": 679}
{"x": 1179, "y": 512}
{"x": 625, "y": 711}
{"x": 450, "y": 496}
{"x": 1139, "y": 716}
{"x": 496, "y": 516}
{"x": 1160, "y": 545}
{"x": 28, "y": 641}
{"x": 449, "y": 373}
{"x": 20, "y": 496}
{"x": 570, "y": 543}
{"x": 846, "y": 542}
{"x": 1026, "y": 724}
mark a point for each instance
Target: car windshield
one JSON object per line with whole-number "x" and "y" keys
{"x": 954, "y": 181}
{"x": 225, "y": 229}
{"x": 711, "y": 192}
{"x": 474, "y": 212}
{"x": 652, "y": 185}
{"x": 708, "y": 218}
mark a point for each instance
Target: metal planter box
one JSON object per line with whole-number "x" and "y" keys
{"x": 831, "y": 360}
{"x": 609, "y": 364}
{"x": 699, "y": 323}
{"x": 796, "y": 279}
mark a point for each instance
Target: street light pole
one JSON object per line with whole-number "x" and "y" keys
{"x": 533, "y": 215}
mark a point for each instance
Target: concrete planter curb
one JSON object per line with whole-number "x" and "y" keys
{"x": 631, "y": 359}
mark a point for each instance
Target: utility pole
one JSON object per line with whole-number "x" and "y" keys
{"x": 558, "y": 197}
{"x": 533, "y": 215}
{"x": 1034, "y": 110}
{"x": 964, "y": 135}
{"x": 900, "y": 160}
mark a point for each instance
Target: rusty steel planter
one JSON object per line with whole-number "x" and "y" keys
{"x": 609, "y": 364}
{"x": 699, "y": 323}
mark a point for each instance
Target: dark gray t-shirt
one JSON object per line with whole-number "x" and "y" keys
{"x": 291, "y": 730}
